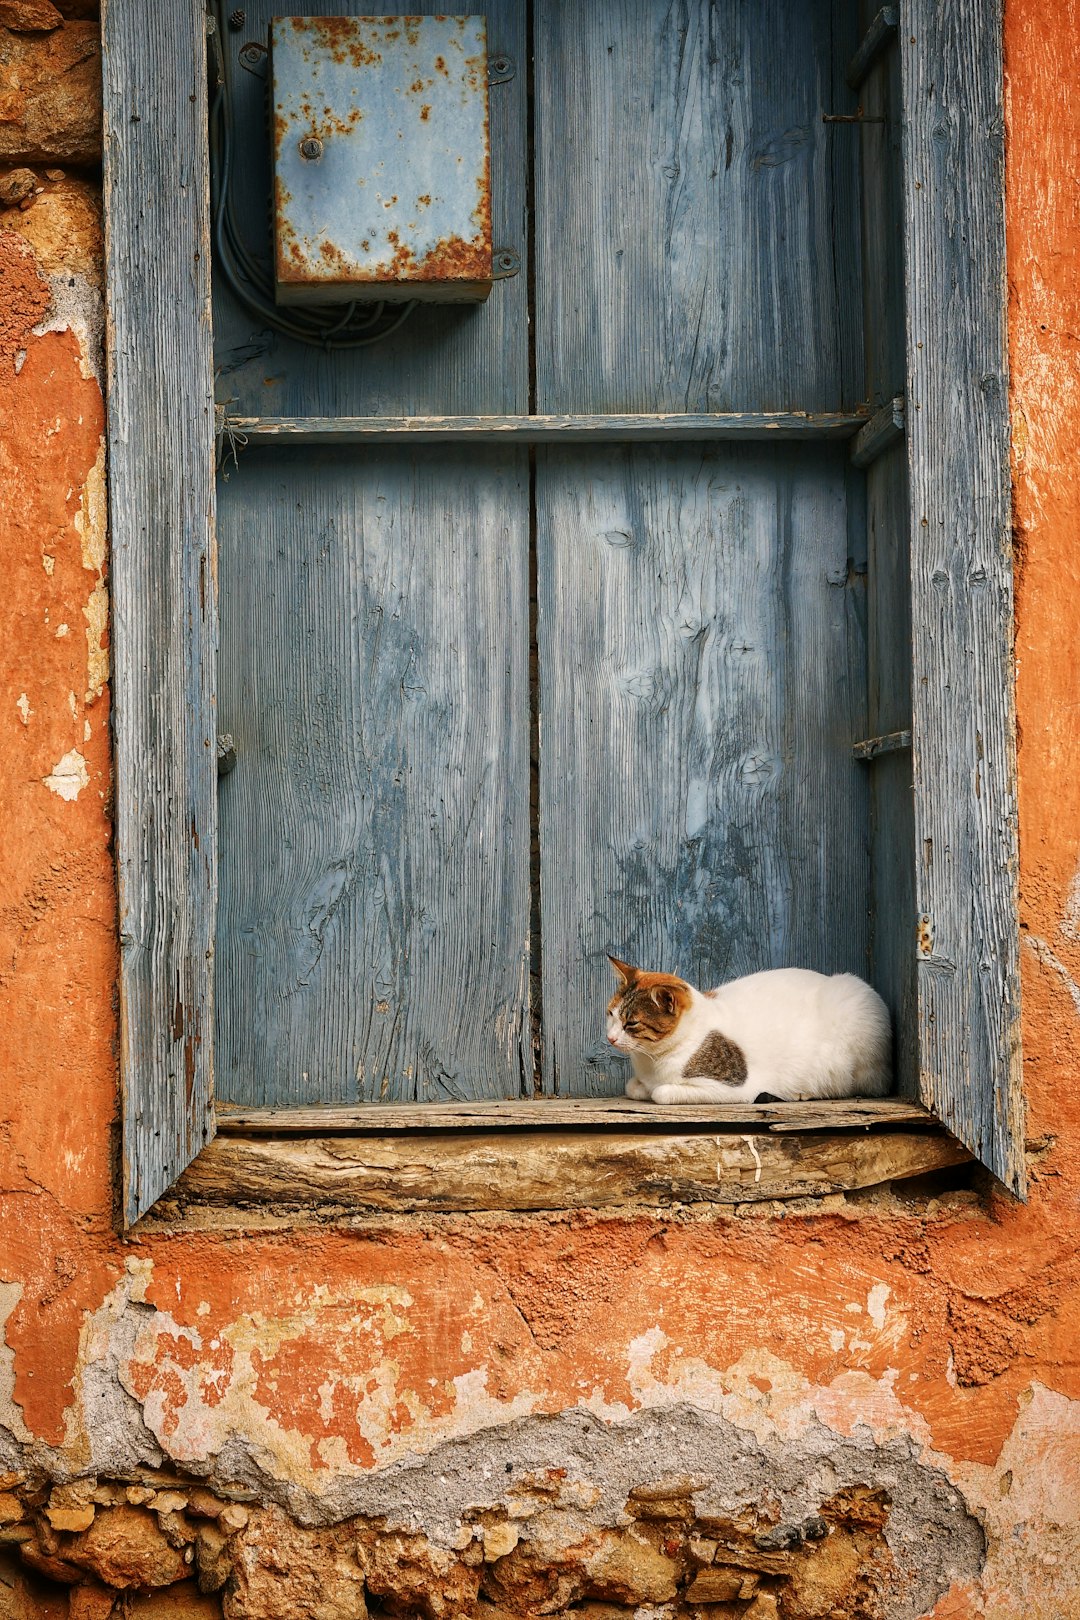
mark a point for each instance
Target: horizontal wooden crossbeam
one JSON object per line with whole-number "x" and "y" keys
{"x": 236, "y": 432}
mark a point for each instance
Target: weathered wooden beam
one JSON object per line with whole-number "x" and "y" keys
{"x": 164, "y": 618}
{"x": 884, "y": 428}
{"x": 548, "y": 1113}
{"x": 240, "y": 431}
{"x": 877, "y": 37}
{"x": 551, "y": 1170}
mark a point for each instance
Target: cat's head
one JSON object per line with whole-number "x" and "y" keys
{"x": 645, "y": 1009}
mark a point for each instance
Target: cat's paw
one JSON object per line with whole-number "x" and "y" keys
{"x": 637, "y": 1090}
{"x": 667, "y": 1096}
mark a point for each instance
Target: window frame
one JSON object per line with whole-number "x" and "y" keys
{"x": 964, "y": 935}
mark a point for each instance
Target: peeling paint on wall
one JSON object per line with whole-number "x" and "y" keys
{"x": 68, "y": 776}
{"x": 91, "y": 525}
{"x": 437, "y": 1413}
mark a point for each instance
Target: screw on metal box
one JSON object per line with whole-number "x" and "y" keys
{"x": 311, "y": 148}
{"x": 505, "y": 262}
{"x": 501, "y": 69}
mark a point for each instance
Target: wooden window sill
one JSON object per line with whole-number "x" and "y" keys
{"x": 555, "y": 1154}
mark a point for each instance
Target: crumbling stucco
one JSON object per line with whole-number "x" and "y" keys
{"x": 671, "y": 1509}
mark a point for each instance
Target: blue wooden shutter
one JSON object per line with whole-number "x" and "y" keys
{"x": 963, "y": 724}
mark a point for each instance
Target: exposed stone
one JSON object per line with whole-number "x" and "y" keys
{"x": 50, "y": 95}
{"x": 792, "y": 1535}
{"x": 15, "y": 185}
{"x": 176, "y": 1529}
{"x": 106, "y": 1495}
{"x": 29, "y": 16}
{"x": 627, "y": 1569}
{"x": 213, "y": 1558}
{"x": 667, "y": 1498}
{"x": 500, "y": 1539}
{"x": 138, "y": 1494}
{"x": 764, "y": 1607}
{"x": 90, "y": 1602}
{"x": 412, "y": 1576}
{"x": 54, "y": 1569}
{"x": 702, "y": 1549}
{"x": 284, "y": 1572}
{"x": 182, "y": 1602}
{"x": 234, "y": 1517}
{"x": 765, "y": 1563}
{"x": 71, "y": 1518}
{"x": 168, "y": 1502}
{"x": 48, "y": 1539}
{"x": 11, "y": 1509}
{"x": 602, "y": 1611}
{"x": 721, "y": 1586}
{"x": 546, "y": 1570}
{"x": 663, "y": 1507}
{"x": 204, "y": 1504}
{"x": 71, "y": 1507}
{"x": 125, "y": 1547}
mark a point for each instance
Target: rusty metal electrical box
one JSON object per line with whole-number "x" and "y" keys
{"x": 381, "y": 159}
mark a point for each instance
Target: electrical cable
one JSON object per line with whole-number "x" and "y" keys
{"x": 324, "y": 328}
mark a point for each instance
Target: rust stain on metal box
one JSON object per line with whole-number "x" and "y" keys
{"x": 381, "y": 159}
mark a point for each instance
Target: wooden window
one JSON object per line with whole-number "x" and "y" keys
{"x": 662, "y": 604}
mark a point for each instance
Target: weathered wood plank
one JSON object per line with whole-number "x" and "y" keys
{"x": 240, "y": 431}
{"x": 702, "y": 674}
{"x": 697, "y": 241}
{"x": 161, "y": 497}
{"x": 958, "y": 442}
{"x": 547, "y": 1113}
{"x": 374, "y": 915}
{"x": 518, "y": 1170}
{"x": 885, "y": 428}
{"x": 444, "y": 358}
{"x": 878, "y": 37}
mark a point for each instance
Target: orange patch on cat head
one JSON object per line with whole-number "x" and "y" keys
{"x": 649, "y": 1004}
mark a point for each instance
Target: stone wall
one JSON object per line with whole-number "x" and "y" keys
{"x": 850, "y": 1407}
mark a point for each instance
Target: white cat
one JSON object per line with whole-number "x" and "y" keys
{"x": 790, "y": 1033}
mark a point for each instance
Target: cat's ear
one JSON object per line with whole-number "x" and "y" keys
{"x": 663, "y": 998}
{"x": 624, "y": 972}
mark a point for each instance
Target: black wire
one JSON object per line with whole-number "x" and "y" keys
{"x": 251, "y": 285}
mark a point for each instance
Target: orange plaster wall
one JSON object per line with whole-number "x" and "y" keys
{"x": 335, "y": 1352}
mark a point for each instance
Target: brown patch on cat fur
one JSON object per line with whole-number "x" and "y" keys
{"x": 654, "y": 1001}
{"x": 717, "y": 1058}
